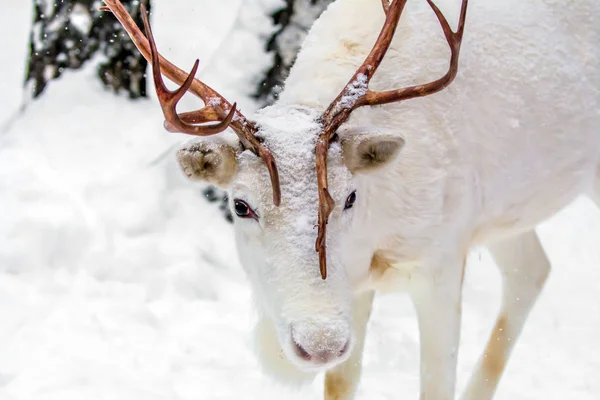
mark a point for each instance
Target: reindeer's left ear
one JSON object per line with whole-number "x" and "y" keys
{"x": 211, "y": 160}
{"x": 365, "y": 153}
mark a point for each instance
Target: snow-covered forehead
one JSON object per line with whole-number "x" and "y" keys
{"x": 290, "y": 133}
{"x": 292, "y": 128}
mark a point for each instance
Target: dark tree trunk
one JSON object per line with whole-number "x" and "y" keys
{"x": 294, "y": 20}
{"x": 67, "y": 33}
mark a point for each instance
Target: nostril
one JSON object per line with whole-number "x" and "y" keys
{"x": 344, "y": 349}
{"x": 300, "y": 351}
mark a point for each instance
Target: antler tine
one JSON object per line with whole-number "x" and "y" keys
{"x": 199, "y": 116}
{"x": 386, "y": 5}
{"x": 171, "y": 71}
{"x": 168, "y": 99}
{"x": 357, "y": 93}
{"x": 326, "y": 202}
{"x": 217, "y": 108}
{"x": 336, "y": 115}
{"x": 454, "y": 40}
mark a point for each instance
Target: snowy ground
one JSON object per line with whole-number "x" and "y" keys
{"x": 117, "y": 281}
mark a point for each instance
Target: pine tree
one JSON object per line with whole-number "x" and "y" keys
{"x": 67, "y": 33}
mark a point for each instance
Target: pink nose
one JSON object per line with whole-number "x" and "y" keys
{"x": 321, "y": 344}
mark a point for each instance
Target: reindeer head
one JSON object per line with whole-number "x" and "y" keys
{"x": 285, "y": 211}
{"x": 311, "y": 316}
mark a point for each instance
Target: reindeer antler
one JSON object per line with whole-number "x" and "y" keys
{"x": 386, "y": 5}
{"x": 216, "y": 108}
{"x": 357, "y": 94}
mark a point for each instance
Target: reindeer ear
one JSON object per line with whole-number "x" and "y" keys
{"x": 212, "y": 161}
{"x": 365, "y": 153}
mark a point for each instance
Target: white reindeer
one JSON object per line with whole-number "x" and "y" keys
{"x": 409, "y": 187}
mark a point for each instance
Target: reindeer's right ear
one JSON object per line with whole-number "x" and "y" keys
{"x": 366, "y": 152}
{"x": 212, "y": 161}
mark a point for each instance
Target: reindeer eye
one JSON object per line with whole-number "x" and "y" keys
{"x": 350, "y": 200}
{"x": 243, "y": 210}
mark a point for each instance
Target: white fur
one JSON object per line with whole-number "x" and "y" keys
{"x": 515, "y": 138}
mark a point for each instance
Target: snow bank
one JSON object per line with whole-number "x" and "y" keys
{"x": 117, "y": 281}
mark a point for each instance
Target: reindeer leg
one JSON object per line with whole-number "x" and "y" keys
{"x": 341, "y": 381}
{"x": 436, "y": 295}
{"x": 524, "y": 268}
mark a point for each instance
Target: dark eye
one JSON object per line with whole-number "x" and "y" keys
{"x": 350, "y": 200}
{"x": 243, "y": 210}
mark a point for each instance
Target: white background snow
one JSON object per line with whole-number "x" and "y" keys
{"x": 118, "y": 281}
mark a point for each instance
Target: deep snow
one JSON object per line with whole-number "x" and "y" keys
{"x": 118, "y": 281}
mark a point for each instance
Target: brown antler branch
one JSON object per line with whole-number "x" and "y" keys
{"x": 199, "y": 116}
{"x": 168, "y": 99}
{"x": 357, "y": 94}
{"x": 386, "y": 5}
{"x": 171, "y": 71}
{"x": 454, "y": 40}
{"x": 217, "y": 108}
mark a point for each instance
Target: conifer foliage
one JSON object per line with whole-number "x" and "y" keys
{"x": 68, "y": 33}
